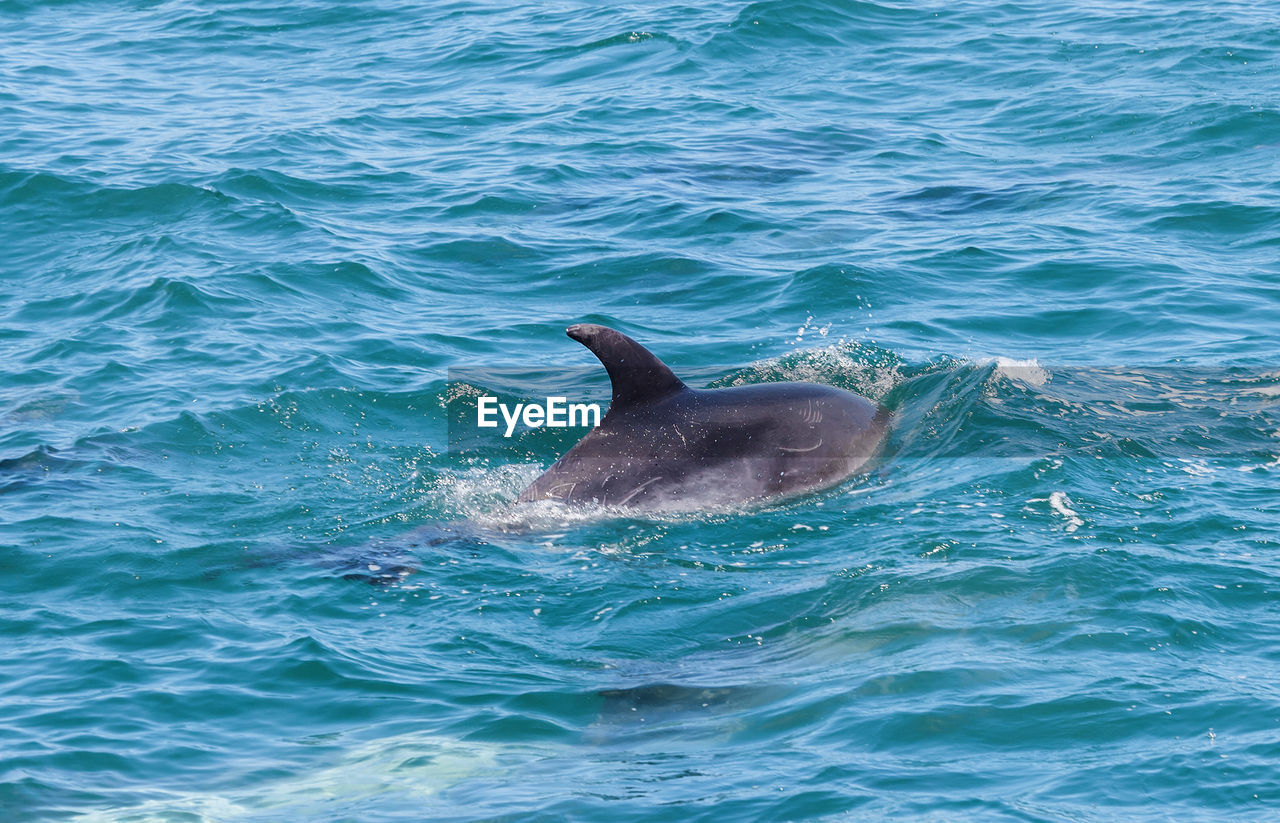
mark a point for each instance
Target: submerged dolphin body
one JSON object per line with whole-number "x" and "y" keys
{"x": 663, "y": 445}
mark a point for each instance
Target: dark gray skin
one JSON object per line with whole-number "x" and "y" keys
{"x": 663, "y": 445}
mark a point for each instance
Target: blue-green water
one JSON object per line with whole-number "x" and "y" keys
{"x": 243, "y": 244}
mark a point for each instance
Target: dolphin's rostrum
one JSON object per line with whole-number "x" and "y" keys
{"x": 663, "y": 445}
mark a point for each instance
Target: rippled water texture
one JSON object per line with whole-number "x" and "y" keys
{"x": 244, "y": 245}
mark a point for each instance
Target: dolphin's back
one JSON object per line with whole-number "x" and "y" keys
{"x": 700, "y": 448}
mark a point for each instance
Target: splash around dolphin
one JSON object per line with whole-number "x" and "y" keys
{"x": 665, "y": 446}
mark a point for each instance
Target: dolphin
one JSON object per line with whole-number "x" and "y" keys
{"x": 665, "y": 446}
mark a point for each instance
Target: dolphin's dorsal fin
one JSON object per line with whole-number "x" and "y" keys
{"x": 637, "y": 376}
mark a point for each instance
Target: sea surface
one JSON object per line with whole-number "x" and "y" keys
{"x": 247, "y": 247}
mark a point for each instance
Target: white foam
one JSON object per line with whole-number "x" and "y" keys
{"x": 1060, "y": 503}
{"x": 1027, "y": 372}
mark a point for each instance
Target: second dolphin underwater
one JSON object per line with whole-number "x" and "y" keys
{"x": 665, "y": 446}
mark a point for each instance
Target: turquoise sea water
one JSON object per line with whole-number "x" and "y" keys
{"x": 243, "y": 246}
